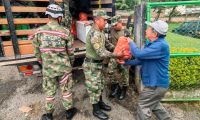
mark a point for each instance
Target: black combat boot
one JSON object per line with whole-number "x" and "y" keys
{"x": 47, "y": 116}
{"x": 98, "y": 113}
{"x": 103, "y": 106}
{"x": 123, "y": 93}
{"x": 70, "y": 113}
{"x": 114, "y": 90}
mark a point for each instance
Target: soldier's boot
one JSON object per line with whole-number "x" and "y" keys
{"x": 47, "y": 116}
{"x": 123, "y": 93}
{"x": 98, "y": 113}
{"x": 103, "y": 106}
{"x": 114, "y": 90}
{"x": 70, "y": 113}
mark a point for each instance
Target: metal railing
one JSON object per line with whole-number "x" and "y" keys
{"x": 184, "y": 23}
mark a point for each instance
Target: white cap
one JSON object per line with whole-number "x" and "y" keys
{"x": 160, "y": 26}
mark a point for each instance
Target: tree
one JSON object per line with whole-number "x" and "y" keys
{"x": 124, "y": 4}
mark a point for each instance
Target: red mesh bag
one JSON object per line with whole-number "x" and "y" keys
{"x": 83, "y": 16}
{"x": 123, "y": 45}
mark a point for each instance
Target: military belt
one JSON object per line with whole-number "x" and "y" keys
{"x": 92, "y": 60}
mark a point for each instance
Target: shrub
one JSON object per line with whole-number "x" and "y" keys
{"x": 184, "y": 72}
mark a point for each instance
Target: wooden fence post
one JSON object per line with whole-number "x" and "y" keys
{"x": 139, "y": 34}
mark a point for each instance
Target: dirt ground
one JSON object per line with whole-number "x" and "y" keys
{"x": 16, "y": 92}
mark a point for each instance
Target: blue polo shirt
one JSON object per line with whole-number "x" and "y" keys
{"x": 154, "y": 61}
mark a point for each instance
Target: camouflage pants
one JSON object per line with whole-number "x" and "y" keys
{"x": 118, "y": 73}
{"x": 57, "y": 72}
{"x": 50, "y": 86}
{"x": 94, "y": 80}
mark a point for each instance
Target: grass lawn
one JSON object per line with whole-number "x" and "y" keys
{"x": 182, "y": 44}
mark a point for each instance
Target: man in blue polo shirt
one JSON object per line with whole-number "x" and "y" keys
{"x": 154, "y": 61}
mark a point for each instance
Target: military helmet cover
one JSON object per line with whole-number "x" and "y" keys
{"x": 115, "y": 20}
{"x": 101, "y": 13}
{"x": 54, "y": 11}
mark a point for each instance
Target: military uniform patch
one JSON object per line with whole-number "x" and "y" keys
{"x": 96, "y": 45}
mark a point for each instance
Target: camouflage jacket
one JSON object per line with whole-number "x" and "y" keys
{"x": 53, "y": 39}
{"x": 95, "y": 45}
{"x": 115, "y": 35}
{"x": 66, "y": 4}
{"x": 67, "y": 18}
{"x": 109, "y": 46}
{"x": 112, "y": 41}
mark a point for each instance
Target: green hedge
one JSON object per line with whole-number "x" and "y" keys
{"x": 184, "y": 72}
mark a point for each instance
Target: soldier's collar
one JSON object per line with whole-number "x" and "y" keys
{"x": 53, "y": 22}
{"x": 97, "y": 28}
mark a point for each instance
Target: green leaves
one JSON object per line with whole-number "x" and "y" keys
{"x": 184, "y": 72}
{"x": 124, "y": 4}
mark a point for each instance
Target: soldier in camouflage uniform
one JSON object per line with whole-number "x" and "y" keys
{"x": 118, "y": 86}
{"x": 53, "y": 48}
{"x": 93, "y": 64}
{"x": 67, "y": 20}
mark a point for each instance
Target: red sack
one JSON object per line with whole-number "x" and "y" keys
{"x": 73, "y": 28}
{"x": 123, "y": 45}
{"x": 83, "y": 16}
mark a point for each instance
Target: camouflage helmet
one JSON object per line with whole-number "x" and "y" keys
{"x": 101, "y": 13}
{"x": 115, "y": 20}
{"x": 54, "y": 11}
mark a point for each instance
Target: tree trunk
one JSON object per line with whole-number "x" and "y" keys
{"x": 171, "y": 14}
{"x": 158, "y": 14}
